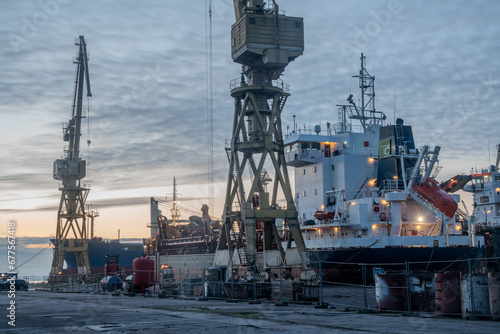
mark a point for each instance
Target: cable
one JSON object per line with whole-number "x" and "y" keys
{"x": 210, "y": 107}
{"x": 31, "y": 258}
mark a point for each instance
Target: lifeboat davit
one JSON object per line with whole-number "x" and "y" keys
{"x": 456, "y": 183}
{"x": 431, "y": 191}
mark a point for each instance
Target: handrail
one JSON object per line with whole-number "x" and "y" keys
{"x": 238, "y": 83}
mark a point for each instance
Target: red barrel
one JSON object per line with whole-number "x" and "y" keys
{"x": 144, "y": 269}
{"x": 111, "y": 268}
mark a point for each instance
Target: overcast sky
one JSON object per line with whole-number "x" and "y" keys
{"x": 148, "y": 113}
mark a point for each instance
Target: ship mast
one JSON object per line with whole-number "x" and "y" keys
{"x": 71, "y": 233}
{"x": 175, "y": 210}
{"x": 264, "y": 41}
{"x": 366, "y": 113}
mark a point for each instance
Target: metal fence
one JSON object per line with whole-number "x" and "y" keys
{"x": 458, "y": 289}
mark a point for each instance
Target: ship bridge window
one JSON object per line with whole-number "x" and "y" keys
{"x": 317, "y": 146}
{"x": 304, "y": 146}
{"x": 497, "y": 177}
{"x": 327, "y": 150}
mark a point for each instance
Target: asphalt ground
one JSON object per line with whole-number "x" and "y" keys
{"x": 58, "y": 312}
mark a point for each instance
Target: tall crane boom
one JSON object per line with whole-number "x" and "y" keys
{"x": 71, "y": 234}
{"x": 72, "y": 169}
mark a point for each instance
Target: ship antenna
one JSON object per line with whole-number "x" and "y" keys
{"x": 489, "y": 151}
{"x": 395, "y": 86}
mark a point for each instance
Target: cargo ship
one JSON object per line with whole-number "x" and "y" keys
{"x": 366, "y": 194}
{"x": 187, "y": 246}
{"x": 98, "y": 249}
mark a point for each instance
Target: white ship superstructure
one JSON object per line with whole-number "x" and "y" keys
{"x": 371, "y": 188}
{"x": 485, "y": 187}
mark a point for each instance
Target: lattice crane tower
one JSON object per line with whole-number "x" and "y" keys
{"x": 71, "y": 233}
{"x": 264, "y": 41}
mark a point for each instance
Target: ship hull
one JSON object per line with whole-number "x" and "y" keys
{"x": 98, "y": 249}
{"x": 346, "y": 265}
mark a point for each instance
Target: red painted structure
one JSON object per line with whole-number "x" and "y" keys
{"x": 431, "y": 191}
{"x": 144, "y": 272}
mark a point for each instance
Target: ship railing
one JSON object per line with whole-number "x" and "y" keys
{"x": 238, "y": 83}
{"x": 387, "y": 186}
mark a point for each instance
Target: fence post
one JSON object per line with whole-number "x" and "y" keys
{"x": 321, "y": 301}
{"x": 232, "y": 283}
{"x": 473, "y": 308}
{"x": 254, "y": 283}
{"x": 365, "y": 292}
{"x": 408, "y": 286}
{"x": 281, "y": 282}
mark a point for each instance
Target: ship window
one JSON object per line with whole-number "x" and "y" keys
{"x": 304, "y": 193}
{"x": 497, "y": 178}
{"x": 304, "y": 171}
{"x": 484, "y": 199}
{"x": 314, "y": 169}
{"x": 252, "y": 20}
{"x": 315, "y": 192}
{"x": 327, "y": 150}
{"x": 304, "y": 146}
{"x": 316, "y": 146}
{"x": 298, "y": 25}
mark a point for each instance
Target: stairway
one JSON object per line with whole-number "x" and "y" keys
{"x": 282, "y": 102}
{"x": 436, "y": 229}
{"x": 236, "y": 206}
{"x": 239, "y": 245}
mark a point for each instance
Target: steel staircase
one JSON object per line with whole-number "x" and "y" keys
{"x": 436, "y": 229}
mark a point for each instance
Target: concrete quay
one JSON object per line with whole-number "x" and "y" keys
{"x": 57, "y": 312}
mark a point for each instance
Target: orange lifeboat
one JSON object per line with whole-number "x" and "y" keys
{"x": 324, "y": 215}
{"x": 431, "y": 191}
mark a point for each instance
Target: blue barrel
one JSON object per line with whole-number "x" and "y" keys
{"x": 111, "y": 283}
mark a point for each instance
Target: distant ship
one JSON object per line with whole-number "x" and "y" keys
{"x": 98, "y": 248}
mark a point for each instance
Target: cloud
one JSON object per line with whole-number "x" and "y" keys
{"x": 148, "y": 113}
{"x": 42, "y": 246}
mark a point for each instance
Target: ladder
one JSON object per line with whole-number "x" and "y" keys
{"x": 436, "y": 228}
{"x": 240, "y": 247}
{"x": 237, "y": 205}
{"x": 282, "y": 102}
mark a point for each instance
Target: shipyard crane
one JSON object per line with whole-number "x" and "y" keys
{"x": 71, "y": 233}
{"x": 264, "y": 41}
